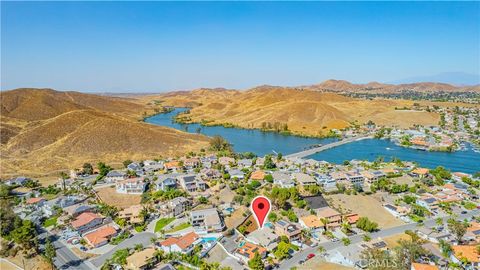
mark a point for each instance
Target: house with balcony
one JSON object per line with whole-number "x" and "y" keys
{"x": 191, "y": 183}
{"x": 333, "y": 217}
{"x": 131, "y": 186}
{"x": 115, "y": 176}
{"x": 86, "y": 221}
{"x": 206, "y": 220}
{"x": 165, "y": 182}
{"x": 283, "y": 227}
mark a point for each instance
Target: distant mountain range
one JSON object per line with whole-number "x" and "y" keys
{"x": 454, "y": 78}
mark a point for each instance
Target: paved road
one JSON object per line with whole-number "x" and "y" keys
{"x": 142, "y": 238}
{"x": 312, "y": 151}
{"x": 294, "y": 261}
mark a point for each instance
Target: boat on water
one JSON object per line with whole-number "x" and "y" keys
{"x": 388, "y": 148}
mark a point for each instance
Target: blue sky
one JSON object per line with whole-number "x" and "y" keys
{"x": 160, "y": 46}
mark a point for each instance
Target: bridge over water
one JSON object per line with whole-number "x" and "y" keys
{"x": 314, "y": 150}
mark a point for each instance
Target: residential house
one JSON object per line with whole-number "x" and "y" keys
{"x": 19, "y": 181}
{"x": 333, "y": 218}
{"x": 397, "y": 211}
{"x": 77, "y": 209}
{"x": 236, "y": 174}
{"x": 245, "y": 163}
{"x": 226, "y": 161}
{"x": 191, "y": 163}
{"x": 172, "y": 166}
{"x": 257, "y": 175}
{"x": 35, "y": 202}
{"x": 178, "y": 206}
{"x": 191, "y": 183}
{"x": 265, "y": 237}
{"x": 283, "y": 227}
{"x": 132, "y": 214}
{"x": 372, "y": 176}
{"x": 206, "y": 220}
{"x": 420, "y": 172}
{"x": 473, "y": 232}
{"x": 304, "y": 179}
{"x": 431, "y": 235}
{"x": 247, "y": 251}
{"x": 151, "y": 166}
{"x": 312, "y": 223}
{"x": 86, "y": 221}
{"x": 282, "y": 179}
{"x": 467, "y": 256}
{"x": 115, "y": 176}
{"x": 457, "y": 176}
{"x": 131, "y": 186}
{"x": 355, "y": 178}
{"x": 100, "y": 236}
{"x": 351, "y": 218}
{"x": 183, "y": 244}
{"x": 165, "y": 182}
{"x": 429, "y": 202}
{"x": 339, "y": 176}
{"x": 141, "y": 260}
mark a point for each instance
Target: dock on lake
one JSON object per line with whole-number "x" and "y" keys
{"x": 315, "y": 150}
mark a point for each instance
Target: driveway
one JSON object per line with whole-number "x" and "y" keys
{"x": 142, "y": 238}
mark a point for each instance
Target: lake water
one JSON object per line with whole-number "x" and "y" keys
{"x": 261, "y": 143}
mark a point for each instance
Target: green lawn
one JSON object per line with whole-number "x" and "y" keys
{"x": 162, "y": 223}
{"x": 50, "y": 222}
{"x": 179, "y": 227}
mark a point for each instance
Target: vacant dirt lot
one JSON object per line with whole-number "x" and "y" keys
{"x": 366, "y": 206}
{"x": 392, "y": 240}
{"x": 111, "y": 197}
{"x": 319, "y": 263}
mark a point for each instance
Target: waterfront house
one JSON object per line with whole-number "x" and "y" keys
{"x": 191, "y": 183}
{"x": 183, "y": 244}
{"x": 100, "y": 236}
{"x": 206, "y": 220}
{"x": 283, "y": 227}
{"x": 142, "y": 259}
{"x": 354, "y": 178}
{"x": 333, "y": 218}
{"x": 132, "y": 214}
{"x": 86, "y": 221}
{"x": 165, "y": 182}
{"x": 339, "y": 176}
{"x": 115, "y": 176}
{"x": 131, "y": 186}
{"x": 372, "y": 176}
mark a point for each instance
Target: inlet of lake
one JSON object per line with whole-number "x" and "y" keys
{"x": 262, "y": 143}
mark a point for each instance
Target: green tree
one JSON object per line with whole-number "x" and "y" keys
{"x": 457, "y": 228}
{"x": 282, "y": 250}
{"x": 87, "y": 168}
{"x": 256, "y": 262}
{"x": 50, "y": 252}
{"x": 218, "y": 143}
{"x": 127, "y": 162}
{"x": 365, "y": 224}
{"x": 268, "y": 163}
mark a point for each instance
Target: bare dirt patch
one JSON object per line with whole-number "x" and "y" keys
{"x": 110, "y": 196}
{"x": 392, "y": 240}
{"x": 365, "y": 206}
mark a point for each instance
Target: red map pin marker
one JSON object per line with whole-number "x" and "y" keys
{"x": 260, "y": 207}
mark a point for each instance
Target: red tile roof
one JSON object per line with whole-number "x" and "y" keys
{"x": 84, "y": 219}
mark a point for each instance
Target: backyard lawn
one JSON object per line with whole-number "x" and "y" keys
{"x": 50, "y": 222}
{"x": 162, "y": 223}
{"x": 179, "y": 227}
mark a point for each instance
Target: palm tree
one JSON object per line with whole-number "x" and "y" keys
{"x": 439, "y": 221}
{"x": 321, "y": 249}
{"x": 325, "y": 222}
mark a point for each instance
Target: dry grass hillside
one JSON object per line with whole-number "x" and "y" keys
{"x": 44, "y": 131}
{"x": 305, "y": 112}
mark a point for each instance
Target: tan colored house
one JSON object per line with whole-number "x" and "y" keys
{"x": 141, "y": 260}
{"x": 334, "y": 218}
{"x": 132, "y": 214}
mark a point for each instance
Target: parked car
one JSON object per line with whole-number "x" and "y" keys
{"x": 309, "y": 256}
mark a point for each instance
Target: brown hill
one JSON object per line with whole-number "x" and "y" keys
{"x": 50, "y": 130}
{"x": 306, "y": 112}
